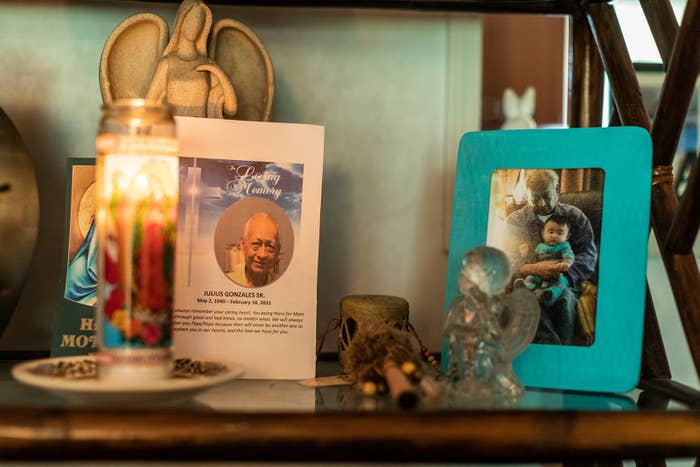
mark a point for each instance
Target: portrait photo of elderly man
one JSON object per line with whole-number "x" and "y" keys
{"x": 553, "y": 251}
{"x": 259, "y": 249}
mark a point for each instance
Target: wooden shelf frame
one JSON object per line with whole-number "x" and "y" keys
{"x": 560, "y": 7}
{"x": 457, "y": 436}
{"x": 442, "y": 436}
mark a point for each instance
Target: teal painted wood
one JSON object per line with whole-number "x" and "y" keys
{"x": 612, "y": 363}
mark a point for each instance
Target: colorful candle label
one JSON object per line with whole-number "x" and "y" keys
{"x": 137, "y": 222}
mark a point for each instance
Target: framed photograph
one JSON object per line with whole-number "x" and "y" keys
{"x": 570, "y": 208}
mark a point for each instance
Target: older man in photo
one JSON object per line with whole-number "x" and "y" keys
{"x": 524, "y": 226}
{"x": 260, "y": 247}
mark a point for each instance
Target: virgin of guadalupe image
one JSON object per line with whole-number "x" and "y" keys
{"x": 81, "y": 273}
{"x": 81, "y": 277}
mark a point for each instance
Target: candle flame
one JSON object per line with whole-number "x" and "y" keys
{"x": 140, "y": 185}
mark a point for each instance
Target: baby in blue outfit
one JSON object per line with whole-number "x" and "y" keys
{"x": 554, "y": 247}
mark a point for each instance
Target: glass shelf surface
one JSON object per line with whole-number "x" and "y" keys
{"x": 243, "y": 395}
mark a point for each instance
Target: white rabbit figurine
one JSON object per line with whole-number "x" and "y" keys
{"x": 519, "y": 111}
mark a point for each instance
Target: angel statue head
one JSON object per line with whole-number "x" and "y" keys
{"x": 231, "y": 79}
{"x": 192, "y": 26}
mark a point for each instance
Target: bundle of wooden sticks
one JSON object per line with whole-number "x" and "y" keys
{"x": 383, "y": 358}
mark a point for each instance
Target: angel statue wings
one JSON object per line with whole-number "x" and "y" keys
{"x": 222, "y": 71}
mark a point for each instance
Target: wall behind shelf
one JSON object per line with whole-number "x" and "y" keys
{"x": 521, "y": 51}
{"x": 378, "y": 81}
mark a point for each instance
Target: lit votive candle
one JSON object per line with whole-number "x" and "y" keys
{"x": 137, "y": 173}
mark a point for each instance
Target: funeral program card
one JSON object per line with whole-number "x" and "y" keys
{"x": 247, "y": 246}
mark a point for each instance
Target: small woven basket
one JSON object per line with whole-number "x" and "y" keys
{"x": 356, "y": 309}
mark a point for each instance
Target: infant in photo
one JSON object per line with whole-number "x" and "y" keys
{"x": 554, "y": 246}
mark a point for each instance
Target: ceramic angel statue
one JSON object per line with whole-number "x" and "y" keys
{"x": 181, "y": 77}
{"x": 233, "y": 79}
{"x": 485, "y": 330}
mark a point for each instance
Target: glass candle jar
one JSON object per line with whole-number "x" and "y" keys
{"x": 137, "y": 178}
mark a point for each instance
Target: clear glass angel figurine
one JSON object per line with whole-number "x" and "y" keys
{"x": 485, "y": 330}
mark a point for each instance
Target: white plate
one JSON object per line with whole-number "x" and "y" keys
{"x": 95, "y": 390}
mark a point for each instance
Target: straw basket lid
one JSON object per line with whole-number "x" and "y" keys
{"x": 374, "y": 306}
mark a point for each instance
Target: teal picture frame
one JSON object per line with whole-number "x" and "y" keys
{"x": 612, "y": 362}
